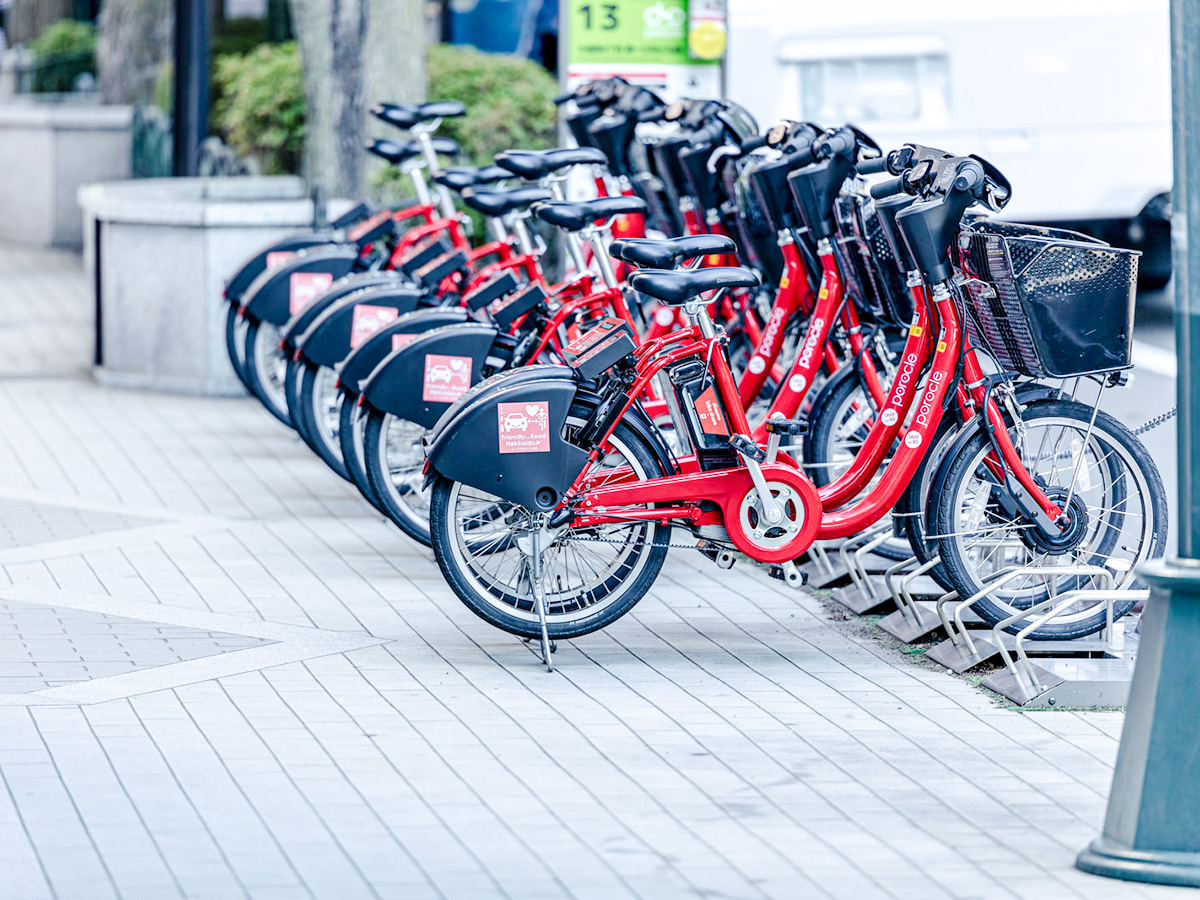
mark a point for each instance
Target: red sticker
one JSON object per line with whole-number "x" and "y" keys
{"x": 712, "y": 419}
{"x": 279, "y": 257}
{"x": 525, "y": 427}
{"x": 303, "y": 286}
{"x": 368, "y": 320}
{"x": 446, "y": 377}
{"x": 399, "y": 340}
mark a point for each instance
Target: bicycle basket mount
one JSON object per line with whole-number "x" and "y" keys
{"x": 1048, "y": 302}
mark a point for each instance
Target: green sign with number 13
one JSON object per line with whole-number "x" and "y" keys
{"x": 638, "y": 32}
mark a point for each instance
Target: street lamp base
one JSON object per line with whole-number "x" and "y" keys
{"x": 1104, "y": 857}
{"x": 1152, "y": 829}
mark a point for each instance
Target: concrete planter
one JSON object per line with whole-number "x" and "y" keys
{"x": 160, "y": 251}
{"x": 47, "y": 150}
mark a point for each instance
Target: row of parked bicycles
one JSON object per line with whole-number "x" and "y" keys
{"x": 760, "y": 341}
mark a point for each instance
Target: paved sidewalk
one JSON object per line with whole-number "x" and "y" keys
{"x": 221, "y": 676}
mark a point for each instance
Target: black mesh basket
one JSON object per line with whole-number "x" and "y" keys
{"x": 1048, "y": 302}
{"x": 869, "y": 263}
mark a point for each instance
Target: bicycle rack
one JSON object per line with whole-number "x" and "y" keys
{"x": 911, "y": 621}
{"x": 1064, "y": 682}
{"x": 865, "y": 593}
{"x": 960, "y": 651}
{"x": 820, "y": 569}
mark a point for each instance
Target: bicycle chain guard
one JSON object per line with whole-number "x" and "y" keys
{"x": 774, "y": 542}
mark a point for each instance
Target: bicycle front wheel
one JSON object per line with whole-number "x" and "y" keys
{"x": 1103, "y": 478}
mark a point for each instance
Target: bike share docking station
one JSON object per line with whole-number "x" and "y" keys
{"x": 1083, "y": 672}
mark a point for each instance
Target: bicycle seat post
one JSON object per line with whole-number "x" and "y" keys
{"x": 413, "y": 167}
{"x": 594, "y": 236}
{"x": 424, "y": 132}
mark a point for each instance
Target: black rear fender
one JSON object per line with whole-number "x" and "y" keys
{"x": 269, "y": 298}
{"x": 507, "y": 438}
{"x": 249, "y": 270}
{"x": 424, "y": 377}
{"x": 304, "y": 319}
{"x": 361, "y": 362}
{"x": 350, "y": 322}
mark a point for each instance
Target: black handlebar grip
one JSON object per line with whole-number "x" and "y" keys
{"x": 970, "y": 174}
{"x": 654, "y": 114}
{"x": 875, "y": 166}
{"x": 836, "y": 144}
{"x": 707, "y": 134}
{"x": 754, "y": 143}
{"x": 889, "y": 188}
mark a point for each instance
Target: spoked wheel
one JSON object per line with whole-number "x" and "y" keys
{"x": 318, "y": 414}
{"x": 266, "y": 366}
{"x": 838, "y": 424}
{"x": 590, "y": 577}
{"x": 1102, "y": 477}
{"x": 394, "y": 459}
{"x": 352, "y": 421}
{"x": 235, "y": 338}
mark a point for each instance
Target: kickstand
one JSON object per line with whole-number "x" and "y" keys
{"x": 539, "y": 600}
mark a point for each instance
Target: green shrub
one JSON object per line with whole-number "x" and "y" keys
{"x": 509, "y": 100}
{"x": 64, "y": 37}
{"x": 260, "y": 110}
{"x": 62, "y": 53}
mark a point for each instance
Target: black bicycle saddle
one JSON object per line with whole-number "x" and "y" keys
{"x": 677, "y": 288}
{"x": 668, "y": 254}
{"x": 576, "y": 216}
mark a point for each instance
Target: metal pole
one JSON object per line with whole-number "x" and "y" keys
{"x": 1152, "y": 830}
{"x": 191, "y": 85}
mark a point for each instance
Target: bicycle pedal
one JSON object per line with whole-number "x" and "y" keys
{"x": 747, "y": 448}
{"x": 789, "y": 574}
{"x": 787, "y": 426}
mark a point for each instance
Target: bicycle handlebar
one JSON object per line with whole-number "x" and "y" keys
{"x": 875, "y": 166}
{"x": 889, "y": 188}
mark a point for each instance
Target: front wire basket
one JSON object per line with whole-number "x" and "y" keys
{"x": 1048, "y": 302}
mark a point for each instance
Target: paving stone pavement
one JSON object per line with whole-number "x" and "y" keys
{"x": 361, "y": 734}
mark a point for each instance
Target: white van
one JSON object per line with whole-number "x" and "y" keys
{"x": 1045, "y": 90}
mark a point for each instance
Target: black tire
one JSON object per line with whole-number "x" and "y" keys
{"x": 394, "y": 459}
{"x": 318, "y": 415}
{"x": 838, "y": 423}
{"x": 235, "y": 329}
{"x": 350, "y": 435}
{"x": 265, "y": 368}
{"x": 610, "y": 591}
{"x": 293, "y": 370}
{"x": 1118, "y": 499}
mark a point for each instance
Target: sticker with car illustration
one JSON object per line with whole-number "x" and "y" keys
{"x": 367, "y": 320}
{"x": 524, "y": 427}
{"x": 304, "y": 286}
{"x": 446, "y": 377}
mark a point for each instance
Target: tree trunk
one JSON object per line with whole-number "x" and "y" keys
{"x": 355, "y": 52}
{"x": 26, "y": 19}
{"x": 134, "y": 39}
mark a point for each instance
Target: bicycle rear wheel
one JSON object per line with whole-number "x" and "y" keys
{"x": 590, "y": 577}
{"x": 235, "y": 336}
{"x": 266, "y": 368}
